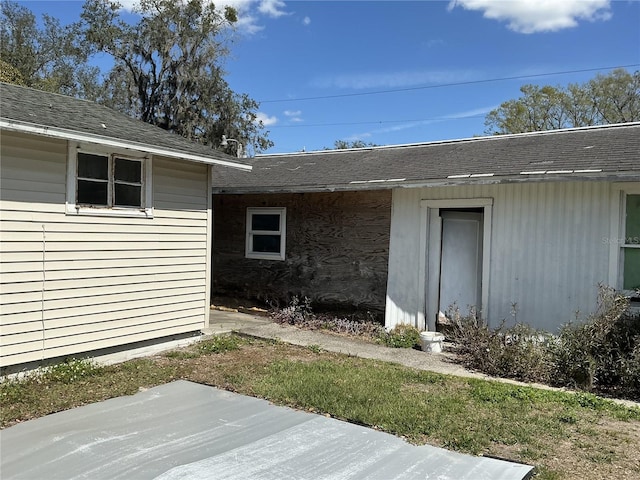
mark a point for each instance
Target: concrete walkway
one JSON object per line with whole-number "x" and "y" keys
{"x": 262, "y": 327}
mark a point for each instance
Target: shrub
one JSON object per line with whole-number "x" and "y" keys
{"x": 518, "y": 352}
{"x": 300, "y": 314}
{"x": 602, "y": 353}
{"x": 402, "y": 336}
{"x": 630, "y": 384}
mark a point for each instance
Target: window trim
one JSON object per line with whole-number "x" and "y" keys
{"x": 282, "y": 212}
{"x": 623, "y": 237}
{"x": 616, "y": 239}
{"x": 71, "y": 206}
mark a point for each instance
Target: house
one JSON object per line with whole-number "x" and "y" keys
{"x": 106, "y": 229}
{"x": 522, "y": 228}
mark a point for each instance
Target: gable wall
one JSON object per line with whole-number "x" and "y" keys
{"x": 71, "y": 284}
{"x": 336, "y": 249}
{"x": 549, "y": 250}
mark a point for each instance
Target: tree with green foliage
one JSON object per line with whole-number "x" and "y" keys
{"x": 605, "y": 99}
{"x": 344, "y": 144}
{"x": 10, "y": 74}
{"x": 48, "y": 57}
{"x": 167, "y": 69}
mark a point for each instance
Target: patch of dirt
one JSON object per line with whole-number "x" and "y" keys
{"x": 615, "y": 455}
{"x": 243, "y": 305}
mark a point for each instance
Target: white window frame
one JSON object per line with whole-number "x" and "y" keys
{"x": 282, "y": 212}
{"x": 72, "y": 208}
{"x": 621, "y": 240}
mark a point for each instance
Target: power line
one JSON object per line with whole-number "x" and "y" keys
{"x": 375, "y": 122}
{"x": 455, "y": 84}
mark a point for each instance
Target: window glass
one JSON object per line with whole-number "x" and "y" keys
{"x": 128, "y": 170}
{"x": 265, "y": 222}
{"x": 93, "y": 166}
{"x": 632, "y": 220}
{"x": 265, "y": 230}
{"x": 631, "y": 279}
{"x": 266, "y": 243}
{"x": 127, "y": 195}
{"x": 92, "y": 193}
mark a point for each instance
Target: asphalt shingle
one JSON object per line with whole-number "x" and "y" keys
{"x": 604, "y": 152}
{"x": 28, "y": 106}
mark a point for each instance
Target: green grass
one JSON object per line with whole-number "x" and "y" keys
{"x": 562, "y": 434}
{"x": 464, "y": 414}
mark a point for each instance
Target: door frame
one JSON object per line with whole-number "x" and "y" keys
{"x": 430, "y": 249}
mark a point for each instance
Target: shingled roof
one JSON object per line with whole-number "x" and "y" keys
{"x": 34, "y": 111}
{"x": 609, "y": 152}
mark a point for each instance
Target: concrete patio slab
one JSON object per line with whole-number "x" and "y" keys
{"x": 184, "y": 430}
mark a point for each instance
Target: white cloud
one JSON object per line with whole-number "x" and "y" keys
{"x": 272, "y": 8}
{"x": 306, "y": 21}
{"x": 266, "y": 119}
{"x": 248, "y": 24}
{"x": 249, "y": 11}
{"x": 530, "y": 16}
{"x": 293, "y": 115}
{"x": 393, "y": 79}
{"x": 471, "y": 113}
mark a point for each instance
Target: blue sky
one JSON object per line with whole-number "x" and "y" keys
{"x": 396, "y": 72}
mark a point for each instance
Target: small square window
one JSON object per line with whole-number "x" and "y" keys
{"x": 266, "y": 233}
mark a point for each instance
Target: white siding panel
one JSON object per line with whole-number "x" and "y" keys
{"x": 141, "y": 282}
{"x": 50, "y": 214}
{"x": 95, "y": 282}
{"x": 22, "y": 327}
{"x": 548, "y": 250}
{"x": 24, "y": 322}
{"x": 106, "y": 273}
{"x": 105, "y": 342}
{"x": 404, "y": 258}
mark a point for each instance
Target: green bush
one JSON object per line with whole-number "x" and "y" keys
{"x": 601, "y": 354}
{"x": 402, "y": 336}
{"x": 631, "y": 370}
{"x": 519, "y": 352}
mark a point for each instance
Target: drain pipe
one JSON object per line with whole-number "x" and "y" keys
{"x": 44, "y": 279}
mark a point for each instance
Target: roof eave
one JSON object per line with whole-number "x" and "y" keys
{"x": 64, "y": 134}
{"x": 633, "y": 176}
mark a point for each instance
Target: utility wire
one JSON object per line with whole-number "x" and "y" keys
{"x": 424, "y": 87}
{"x": 376, "y": 122}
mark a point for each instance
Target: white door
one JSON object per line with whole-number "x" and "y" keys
{"x": 461, "y": 261}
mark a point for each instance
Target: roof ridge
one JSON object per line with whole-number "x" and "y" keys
{"x": 457, "y": 140}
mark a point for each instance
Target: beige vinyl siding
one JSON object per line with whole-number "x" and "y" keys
{"x": 548, "y": 250}
{"x": 71, "y": 284}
